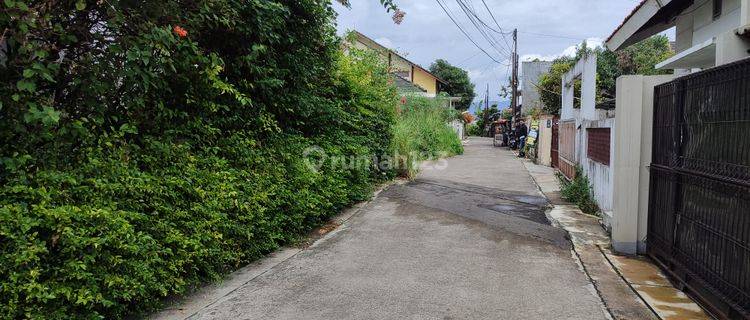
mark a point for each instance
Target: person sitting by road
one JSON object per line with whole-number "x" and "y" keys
{"x": 521, "y": 132}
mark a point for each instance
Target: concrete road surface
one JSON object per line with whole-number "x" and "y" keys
{"x": 467, "y": 242}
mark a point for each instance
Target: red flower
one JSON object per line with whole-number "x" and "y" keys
{"x": 398, "y": 16}
{"x": 179, "y": 31}
{"x": 403, "y": 100}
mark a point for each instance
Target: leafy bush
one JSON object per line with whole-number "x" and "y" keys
{"x": 422, "y": 132}
{"x": 578, "y": 191}
{"x": 148, "y": 147}
{"x": 474, "y": 130}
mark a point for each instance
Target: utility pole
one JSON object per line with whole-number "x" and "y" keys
{"x": 514, "y": 80}
{"x": 486, "y": 116}
{"x": 487, "y": 98}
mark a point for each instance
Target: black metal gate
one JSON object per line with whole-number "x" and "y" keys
{"x": 699, "y": 203}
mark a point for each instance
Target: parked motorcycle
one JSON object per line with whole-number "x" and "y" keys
{"x": 512, "y": 140}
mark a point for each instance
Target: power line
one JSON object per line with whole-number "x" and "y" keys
{"x": 480, "y": 25}
{"x": 496, "y": 23}
{"x": 469, "y": 58}
{"x": 473, "y": 20}
{"x": 464, "y": 32}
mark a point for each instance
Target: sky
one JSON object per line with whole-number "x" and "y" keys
{"x": 547, "y": 29}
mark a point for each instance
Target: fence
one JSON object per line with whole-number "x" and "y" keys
{"x": 555, "y": 148}
{"x": 699, "y": 198}
{"x": 567, "y": 148}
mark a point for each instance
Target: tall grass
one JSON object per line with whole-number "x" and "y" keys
{"x": 422, "y": 132}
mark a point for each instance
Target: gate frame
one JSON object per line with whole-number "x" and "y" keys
{"x": 713, "y": 284}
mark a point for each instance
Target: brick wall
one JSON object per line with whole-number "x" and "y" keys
{"x": 598, "y": 144}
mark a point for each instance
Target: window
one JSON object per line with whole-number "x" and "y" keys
{"x": 598, "y": 145}
{"x": 717, "y": 8}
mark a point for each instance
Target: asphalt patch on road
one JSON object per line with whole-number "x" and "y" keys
{"x": 520, "y": 214}
{"x": 509, "y": 203}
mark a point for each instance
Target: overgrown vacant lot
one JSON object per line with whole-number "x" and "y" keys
{"x": 150, "y": 147}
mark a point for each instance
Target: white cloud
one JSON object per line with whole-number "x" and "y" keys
{"x": 591, "y": 43}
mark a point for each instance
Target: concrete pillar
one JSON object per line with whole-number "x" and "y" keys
{"x": 568, "y": 95}
{"x": 545, "y": 140}
{"x": 744, "y": 13}
{"x": 588, "y": 87}
{"x": 585, "y": 69}
{"x": 632, "y": 156}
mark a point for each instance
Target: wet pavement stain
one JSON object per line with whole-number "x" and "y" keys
{"x": 670, "y": 303}
{"x": 639, "y": 270}
{"x": 654, "y": 287}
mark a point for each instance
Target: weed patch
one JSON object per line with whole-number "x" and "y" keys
{"x": 578, "y": 191}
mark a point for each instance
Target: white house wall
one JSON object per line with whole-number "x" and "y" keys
{"x": 684, "y": 33}
{"x": 696, "y": 25}
{"x": 704, "y": 25}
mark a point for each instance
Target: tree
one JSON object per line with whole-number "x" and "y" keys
{"x": 550, "y": 85}
{"x": 459, "y": 84}
{"x": 483, "y": 116}
{"x": 640, "y": 58}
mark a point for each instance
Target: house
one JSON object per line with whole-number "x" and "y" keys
{"x": 530, "y": 99}
{"x": 410, "y": 78}
{"x": 422, "y": 81}
{"x": 530, "y": 73}
{"x": 709, "y": 33}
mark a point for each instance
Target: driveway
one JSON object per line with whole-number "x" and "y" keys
{"x": 470, "y": 241}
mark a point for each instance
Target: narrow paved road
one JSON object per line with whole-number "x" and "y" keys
{"x": 467, "y": 242}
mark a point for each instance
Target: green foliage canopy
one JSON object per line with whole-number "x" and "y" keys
{"x": 550, "y": 85}
{"x": 636, "y": 59}
{"x": 483, "y": 117}
{"x": 459, "y": 84}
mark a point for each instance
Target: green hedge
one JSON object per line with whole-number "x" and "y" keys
{"x": 148, "y": 147}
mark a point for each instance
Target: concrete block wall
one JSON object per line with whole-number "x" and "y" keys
{"x": 600, "y": 175}
{"x": 632, "y": 137}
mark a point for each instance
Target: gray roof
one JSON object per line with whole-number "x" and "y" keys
{"x": 404, "y": 86}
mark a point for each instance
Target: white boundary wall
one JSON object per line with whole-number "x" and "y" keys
{"x": 600, "y": 175}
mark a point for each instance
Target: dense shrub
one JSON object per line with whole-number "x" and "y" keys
{"x": 578, "y": 191}
{"x": 422, "y": 132}
{"x": 474, "y": 130}
{"x": 147, "y": 147}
